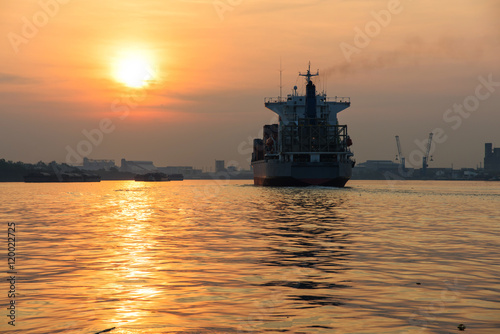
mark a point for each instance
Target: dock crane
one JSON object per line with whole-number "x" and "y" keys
{"x": 425, "y": 159}
{"x": 400, "y": 154}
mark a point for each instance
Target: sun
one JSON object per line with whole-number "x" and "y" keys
{"x": 134, "y": 70}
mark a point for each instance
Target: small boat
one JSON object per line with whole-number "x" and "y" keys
{"x": 152, "y": 177}
{"x": 176, "y": 177}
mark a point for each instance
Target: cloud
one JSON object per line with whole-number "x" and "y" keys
{"x": 414, "y": 51}
{"x": 275, "y": 6}
{"x": 6, "y": 78}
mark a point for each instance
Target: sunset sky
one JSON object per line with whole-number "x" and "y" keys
{"x": 184, "y": 82}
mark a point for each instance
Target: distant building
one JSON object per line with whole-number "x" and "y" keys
{"x": 137, "y": 167}
{"x": 220, "y": 166}
{"x": 491, "y": 158}
{"x": 186, "y": 171}
{"x": 176, "y": 169}
{"x": 90, "y": 164}
{"x": 376, "y": 170}
{"x": 378, "y": 165}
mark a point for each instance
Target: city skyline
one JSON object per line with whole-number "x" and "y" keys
{"x": 184, "y": 83}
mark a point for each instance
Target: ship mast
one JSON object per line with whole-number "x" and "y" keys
{"x": 309, "y": 75}
{"x": 281, "y": 81}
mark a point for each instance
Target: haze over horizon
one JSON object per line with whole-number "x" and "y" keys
{"x": 184, "y": 83}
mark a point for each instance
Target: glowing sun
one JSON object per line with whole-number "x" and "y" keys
{"x": 134, "y": 71}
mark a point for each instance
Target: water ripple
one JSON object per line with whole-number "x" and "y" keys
{"x": 205, "y": 257}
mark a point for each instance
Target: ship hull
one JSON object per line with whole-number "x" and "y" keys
{"x": 289, "y": 174}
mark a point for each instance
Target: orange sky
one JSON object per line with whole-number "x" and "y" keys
{"x": 214, "y": 63}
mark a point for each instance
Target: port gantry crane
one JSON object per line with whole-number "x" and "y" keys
{"x": 425, "y": 159}
{"x": 400, "y": 154}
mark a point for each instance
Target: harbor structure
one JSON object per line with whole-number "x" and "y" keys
{"x": 220, "y": 166}
{"x": 92, "y": 164}
{"x": 138, "y": 167}
{"x": 491, "y": 158}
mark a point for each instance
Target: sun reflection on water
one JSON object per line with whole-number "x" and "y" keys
{"x": 157, "y": 258}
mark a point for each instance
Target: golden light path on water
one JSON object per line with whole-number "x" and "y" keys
{"x": 228, "y": 257}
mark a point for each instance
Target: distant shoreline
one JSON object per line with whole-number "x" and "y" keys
{"x": 16, "y": 171}
{"x": 250, "y": 179}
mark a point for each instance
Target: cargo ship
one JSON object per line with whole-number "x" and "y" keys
{"x": 308, "y": 146}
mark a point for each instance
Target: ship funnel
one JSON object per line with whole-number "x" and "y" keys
{"x": 310, "y": 100}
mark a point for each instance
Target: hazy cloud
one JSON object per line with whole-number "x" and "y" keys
{"x": 414, "y": 51}
{"x": 6, "y": 78}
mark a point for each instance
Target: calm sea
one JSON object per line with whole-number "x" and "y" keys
{"x": 228, "y": 257}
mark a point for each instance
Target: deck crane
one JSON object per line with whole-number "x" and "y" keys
{"x": 400, "y": 154}
{"x": 425, "y": 159}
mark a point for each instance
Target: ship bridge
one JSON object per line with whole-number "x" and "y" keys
{"x": 294, "y": 107}
{"x": 311, "y": 106}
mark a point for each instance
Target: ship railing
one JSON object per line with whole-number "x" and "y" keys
{"x": 312, "y": 152}
{"x": 338, "y": 99}
{"x": 274, "y": 100}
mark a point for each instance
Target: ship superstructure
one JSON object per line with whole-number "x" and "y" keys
{"x": 308, "y": 146}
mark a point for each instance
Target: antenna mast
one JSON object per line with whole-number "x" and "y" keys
{"x": 326, "y": 82}
{"x": 309, "y": 75}
{"x": 425, "y": 159}
{"x": 281, "y": 81}
{"x": 400, "y": 153}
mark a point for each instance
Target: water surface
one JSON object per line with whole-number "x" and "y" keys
{"x": 228, "y": 257}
